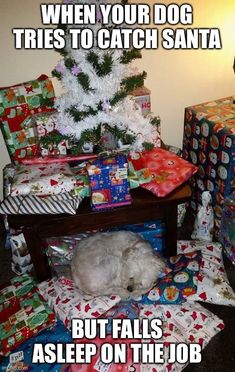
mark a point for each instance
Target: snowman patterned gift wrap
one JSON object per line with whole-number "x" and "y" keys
{"x": 209, "y": 143}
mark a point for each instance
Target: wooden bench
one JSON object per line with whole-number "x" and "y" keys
{"x": 145, "y": 207}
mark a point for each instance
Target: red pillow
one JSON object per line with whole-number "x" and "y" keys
{"x": 168, "y": 171}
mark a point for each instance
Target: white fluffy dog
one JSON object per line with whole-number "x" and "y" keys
{"x": 120, "y": 263}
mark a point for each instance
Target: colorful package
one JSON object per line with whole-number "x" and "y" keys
{"x": 57, "y": 159}
{"x": 97, "y": 365}
{"x": 213, "y": 284}
{"x": 33, "y": 204}
{"x": 8, "y": 175}
{"x": 20, "y": 259}
{"x": 124, "y": 310}
{"x": 141, "y": 96}
{"x": 162, "y": 170}
{"x": 209, "y": 143}
{"x": 187, "y": 323}
{"x": 59, "y": 251}
{"x": 82, "y": 185}
{"x": 109, "y": 182}
{"x": 10, "y": 296}
{"x": 179, "y": 283}
{"x": 152, "y": 231}
{"x": 50, "y": 140}
{"x": 57, "y": 334}
{"x": 204, "y": 221}
{"x": 227, "y": 228}
{"x": 69, "y": 302}
{"x": 28, "y": 313}
{"x": 44, "y": 179}
{"x": 17, "y": 104}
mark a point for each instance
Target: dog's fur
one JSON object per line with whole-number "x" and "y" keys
{"x": 120, "y": 263}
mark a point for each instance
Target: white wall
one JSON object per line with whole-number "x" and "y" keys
{"x": 176, "y": 78}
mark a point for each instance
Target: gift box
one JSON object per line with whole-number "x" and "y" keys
{"x": 51, "y": 142}
{"x": 18, "y": 104}
{"x": 96, "y": 362}
{"x": 21, "y": 260}
{"x": 152, "y": 231}
{"x": 23, "y": 313}
{"x": 68, "y": 302}
{"x": 21, "y": 358}
{"x": 209, "y": 143}
{"x": 227, "y": 228}
{"x": 141, "y": 96}
{"x": 108, "y": 178}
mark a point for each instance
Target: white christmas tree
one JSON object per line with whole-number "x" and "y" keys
{"x": 97, "y": 86}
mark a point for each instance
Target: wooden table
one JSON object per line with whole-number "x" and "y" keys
{"x": 145, "y": 207}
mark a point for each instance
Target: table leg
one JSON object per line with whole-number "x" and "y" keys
{"x": 40, "y": 263}
{"x": 171, "y": 230}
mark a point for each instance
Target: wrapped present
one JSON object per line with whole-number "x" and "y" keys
{"x": 124, "y": 310}
{"x": 179, "y": 283}
{"x": 209, "y": 143}
{"x": 46, "y": 179}
{"x": 96, "y": 363}
{"x": 82, "y": 185}
{"x": 8, "y": 174}
{"x": 187, "y": 323}
{"x": 11, "y": 295}
{"x": 28, "y": 313}
{"x": 51, "y": 141}
{"x": 152, "y": 231}
{"x": 59, "y": 251}
{"x": 141, "y": 96}
{"x": 69, "y": 302}
{"x": 21, "y": 260}
{"x": 227, "y": 228}
{"x": 17, "y": 105}
{"x": 162, "y": 170}
{"x": 109, "y": 184}
{"x": 21, "y": 358}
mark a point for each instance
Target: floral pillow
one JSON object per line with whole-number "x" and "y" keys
{"x": 17, "y": 105}
{"x": 180, "y": 282}
{"x": 160, "y": 170}
{"x": 213, "y": 284}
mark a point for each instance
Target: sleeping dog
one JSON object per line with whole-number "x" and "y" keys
{"x": 120, "y": 263}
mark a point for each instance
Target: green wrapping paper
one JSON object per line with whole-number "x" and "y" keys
{"x": 23, "y": 313}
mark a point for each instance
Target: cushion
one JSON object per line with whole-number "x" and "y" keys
{"x": 186, "y": 323}
{"x": 69, "y": 302}
{"x": 213, "y": 284}
{"x": 162, "y": 170}
{"x": 179, "y": 283}
{"x": 33, "y": 204}
{"x": 17, "y": 104}
{"x": 46, "y": 179}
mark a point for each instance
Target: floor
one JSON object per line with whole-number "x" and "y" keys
{"x": 219, "y": 355}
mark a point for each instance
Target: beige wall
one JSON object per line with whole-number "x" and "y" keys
{"x": 176, "y": 78}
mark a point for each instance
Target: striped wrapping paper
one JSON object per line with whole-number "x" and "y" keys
{"x": 32, "y": 204}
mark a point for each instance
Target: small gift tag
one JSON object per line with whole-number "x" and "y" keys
{"x": 16, "y": 357}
